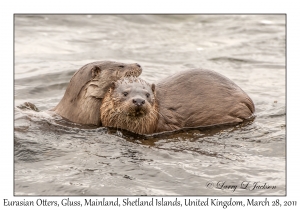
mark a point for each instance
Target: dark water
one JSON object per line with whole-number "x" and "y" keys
{"x": 55, "y": 157}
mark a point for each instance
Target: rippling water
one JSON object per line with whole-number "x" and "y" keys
{"x": 55, "y": 157}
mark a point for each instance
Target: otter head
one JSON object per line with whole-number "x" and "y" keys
{"x": 94, "y": 79}
{"x": 130, "y": 104}
{"x": 112, "y": 71}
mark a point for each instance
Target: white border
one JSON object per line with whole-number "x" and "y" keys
{"x": 8, "y": 8}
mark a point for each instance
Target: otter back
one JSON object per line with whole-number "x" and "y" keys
{"x": 200, "y": 97}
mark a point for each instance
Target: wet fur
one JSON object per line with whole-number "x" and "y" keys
{"x": 188, "y": 99}
{"x": 87, "y": 87}
{"x": 200, "y": 97}
{"x": 122, "y": 114}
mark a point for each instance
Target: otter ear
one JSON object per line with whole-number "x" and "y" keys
{"x": 95, "y": 71}
{"x": 153, "y": 87}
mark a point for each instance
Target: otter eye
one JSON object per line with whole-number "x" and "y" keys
{"x": 147, "y": 94}
{"x": 121, "y": 66}
{"x": 125, "y": 93}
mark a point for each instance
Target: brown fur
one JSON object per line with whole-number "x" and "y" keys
{"x": 118, "y": 111}
{"x": 200, "y": 97}
{"x": 87, "y": 87}
{"x": 188, "y": 99}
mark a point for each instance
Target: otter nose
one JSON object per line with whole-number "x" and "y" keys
{"x": 138, "y": 101}
{"x": 138, "y": 65}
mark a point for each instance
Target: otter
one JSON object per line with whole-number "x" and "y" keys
{"x": 188, "y": 99}
{"x": 86, "y": 89}
{"x": 130, "y": 104}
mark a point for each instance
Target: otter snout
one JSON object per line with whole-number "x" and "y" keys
{"x": 138, "y": 101}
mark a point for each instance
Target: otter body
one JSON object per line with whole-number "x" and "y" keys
{"x": 130, "y": 104}
{"x": 199, "y": 97}
{"x": 82, "y": 99}
{"x": 188, "y": 99}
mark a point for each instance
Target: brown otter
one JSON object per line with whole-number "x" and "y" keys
{"x": 187, "y": 99}
{"x": 82, "y": 99}
{"x": 130, "y": 104}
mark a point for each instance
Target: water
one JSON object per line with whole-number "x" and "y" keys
{"x": 55, "y": 157}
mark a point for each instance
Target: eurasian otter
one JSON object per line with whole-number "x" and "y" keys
{"x": 188, "y": 99}
{"x": 82, "y": 99}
